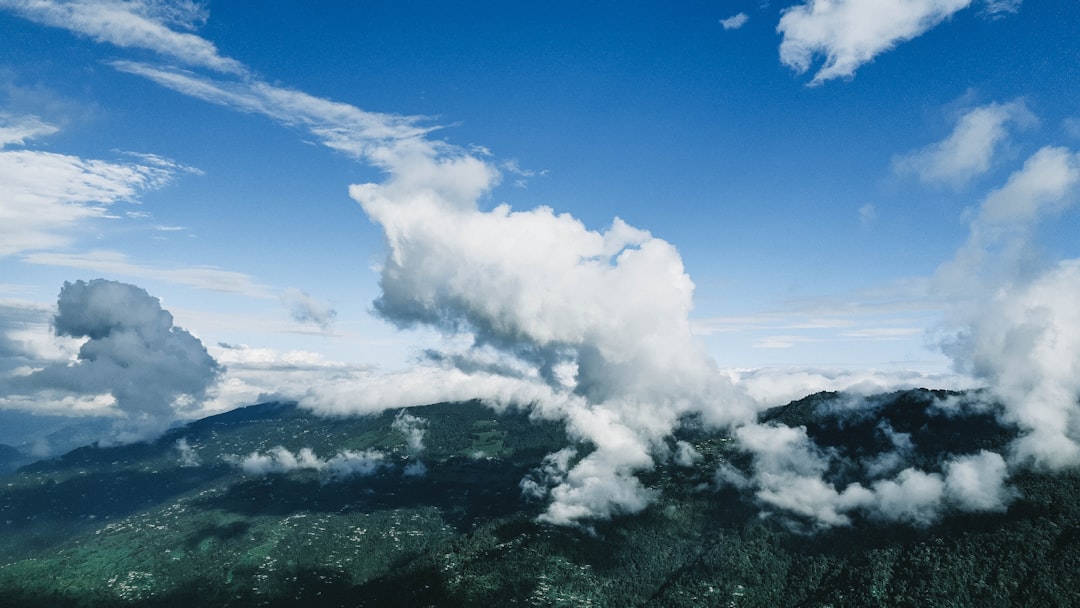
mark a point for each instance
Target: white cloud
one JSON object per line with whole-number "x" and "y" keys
{"x": 371, "y": 136}
{"x": 551, "y": 472}
{"x": 734, "y": 22}
{"x": 1016, "y": 325}
{"x": 1044, "y": 185}
{"x": 115, "y": 263}
{"x": 347, "y": 463}
{"x": 977, "y": 482}
{"x": 45, "y": 197}
{"x": 132, "y": 24}
{"x": 849, "y": 33}
{"x": 789, "y": 473}
{"x": 1025, "y": 341}
{"x": 686, "y": 455}
{"x": 18, "y": 129}
{"x": 413, "y": 428}
{"x": 913, "y": 496}
{"x": 968, "y": 151}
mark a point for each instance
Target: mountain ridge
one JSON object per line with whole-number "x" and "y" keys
{"x": 192, "y": 517}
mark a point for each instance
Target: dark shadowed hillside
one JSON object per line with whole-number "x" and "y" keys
{"x": 270, "y": 505}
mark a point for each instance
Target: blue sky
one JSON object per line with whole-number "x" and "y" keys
{"x": 798, "y": 159}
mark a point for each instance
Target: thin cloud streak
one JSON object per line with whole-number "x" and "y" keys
{"x": 133, "y": 24}
{"x": 114, "y": 263}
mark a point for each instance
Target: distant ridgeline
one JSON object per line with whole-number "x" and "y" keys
{"x": 272, "y": 505}
{"x": 11, "y": 458}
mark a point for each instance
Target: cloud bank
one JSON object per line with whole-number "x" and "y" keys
{"x": 789, "y": 474}
{"x": 1018, "y": 327}
{"x": 348, "y": 463}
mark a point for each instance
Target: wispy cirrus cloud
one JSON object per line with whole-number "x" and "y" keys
{"x": 850, "y": 33}
{"x": 339, "y": 126}
{"x": 45, "y": 196}
{"x": 115, "y": 263}
{"x": 143, "y": 24}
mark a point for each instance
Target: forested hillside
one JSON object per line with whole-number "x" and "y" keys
{"x": 270, "y": 505}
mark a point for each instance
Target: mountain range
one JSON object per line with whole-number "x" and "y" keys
{"x": 271, "y": 505}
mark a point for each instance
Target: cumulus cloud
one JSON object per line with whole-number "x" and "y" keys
{"x": 734, "y": 22}
{"x": 610, "y": 307}
{"x": 1025, "y": 342}
{"x": 849, "y": 33}
{"x": 1017, "y": 327}
{"x": 132, "y": 353}
{"x": 968, "y": 151}
{"x": 413, "y": 428}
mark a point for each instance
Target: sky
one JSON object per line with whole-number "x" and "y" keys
{"x": 592, "y": 206}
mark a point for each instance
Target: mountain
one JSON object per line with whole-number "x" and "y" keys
{"x": 49, "y": 435}
{"x": 11, "y": 458}
{"x": 213, "y": 514}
